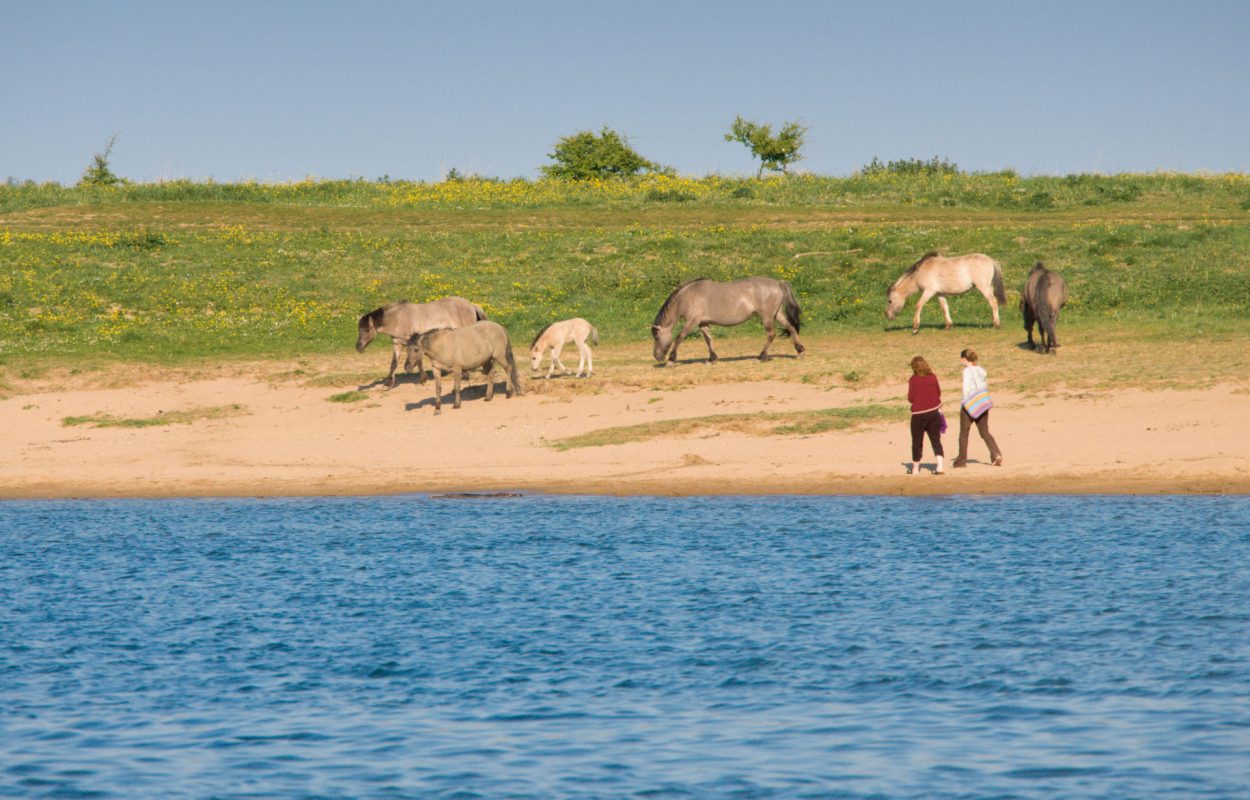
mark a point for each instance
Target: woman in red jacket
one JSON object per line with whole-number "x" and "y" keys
{"x": 925, "y": 397}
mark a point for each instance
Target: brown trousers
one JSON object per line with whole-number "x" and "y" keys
{"x": 929, "y": 422}
{"x": 983, "y": 427}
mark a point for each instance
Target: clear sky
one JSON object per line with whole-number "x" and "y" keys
{"x": 278, "y": 90}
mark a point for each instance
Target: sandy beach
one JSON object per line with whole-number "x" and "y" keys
{"x": 284, "y": 438}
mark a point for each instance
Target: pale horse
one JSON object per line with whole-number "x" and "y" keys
{"x": 553, "y": 338}
{"x": 937, "y": 275}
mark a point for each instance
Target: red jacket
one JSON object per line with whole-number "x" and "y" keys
{"x": 923, "y": 392}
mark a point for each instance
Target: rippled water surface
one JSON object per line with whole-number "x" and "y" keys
{"x": 598, "y": 647}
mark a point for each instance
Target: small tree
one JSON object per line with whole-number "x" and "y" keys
{"x": 586, "y": 155}
{"x": 774, "y": 152}
{"x": 99, "y": 174}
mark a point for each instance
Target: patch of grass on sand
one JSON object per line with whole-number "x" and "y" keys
{"x": 778, "y": 423}
{"x": 354, "y": 396}
{"x": 162, "y": 418}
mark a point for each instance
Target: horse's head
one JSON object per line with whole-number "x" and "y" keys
{"x": 366, "y": 329}
{"x": 415, "y": 353}
{"x": 895, "y": 299}
{"x": 536, "y": 358}
{"x": 663, "y": 341}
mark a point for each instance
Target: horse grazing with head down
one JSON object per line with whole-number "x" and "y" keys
{"x": 553, "y": 338}
{"x": 1044, "y": 293}
{"x": 936, "y": 275}
{"x": 702, "y": 302}
{"x": 483, "y": 344}
{"x": 403, "y": 320}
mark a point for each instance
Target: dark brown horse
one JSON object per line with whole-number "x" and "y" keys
{"x": 1043, "y": 295}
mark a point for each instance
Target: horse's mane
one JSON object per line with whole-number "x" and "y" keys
{"x": 910, "y": 271}
{"x": 923, "y": 258}
{"x": 672, "y": 298}
{"x": 540, "y": 334}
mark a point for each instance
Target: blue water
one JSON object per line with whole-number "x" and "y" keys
{"x": 597, "y": 647}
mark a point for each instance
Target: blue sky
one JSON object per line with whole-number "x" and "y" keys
{"x": 282, "y": 90}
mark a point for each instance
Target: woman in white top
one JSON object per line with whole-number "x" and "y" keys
{"x": 974, "y": 380}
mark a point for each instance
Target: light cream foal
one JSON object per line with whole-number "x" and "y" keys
{"x": 553, "y": 338}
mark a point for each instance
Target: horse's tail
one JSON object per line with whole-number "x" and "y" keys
{"x": 594, "y": 335}
{"x": 791, "y": 305}
{"x": 511, "y": 359}
{"x": 1042, "y": 308}
{"x": 1000, "y": 293}
{"x": 478, "y": 313}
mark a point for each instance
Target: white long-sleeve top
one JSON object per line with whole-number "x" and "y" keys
{"x": 974, "y": 379}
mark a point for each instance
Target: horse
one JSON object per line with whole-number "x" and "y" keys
{"x": 555, "y": 335}
{"x": 402, "y": 320}
{"x": 1044, "y": 293}
{"x": 483, "y": 344}
{"x": 702, "y": 302}
{"x": 936, "y": 275}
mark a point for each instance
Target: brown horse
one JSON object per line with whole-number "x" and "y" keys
{"x": 403, "y": 320}
{"x": 483, "y": 344}
{"x": 702, "y": 302}
{"x": 1044, "y": 293}
{"x": 935, "y": 275}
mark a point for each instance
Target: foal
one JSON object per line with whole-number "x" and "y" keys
{"x": 554, "y": 336}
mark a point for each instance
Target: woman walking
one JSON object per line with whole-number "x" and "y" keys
{"x": 976, "y": 397}
{"x": 925, "y": 397}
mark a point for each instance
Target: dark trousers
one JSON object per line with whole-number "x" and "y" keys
{"x": 983, "y": 427}
{"x": 929, "y": 422}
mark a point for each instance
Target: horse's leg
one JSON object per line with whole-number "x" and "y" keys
{"x": 988, "y": 294}
{"x": 438, "y": 388}
{"x": 508, "y": 388}
{"x": 551, "y": 367}
{"x": 396, "y": 346}
{"x": 420, "y": 364}
{"x": 1054, "y": 320}
{"x": 590, "y": 360}
{"x": 490, "y": 378}
{"x": 946, "y": 311}
{"x": 685, "y": 331}
{"x": 924, "y": 298}
{"x": 557, "y": 352}
{"x": 794, "y": 334}
{"x": 459, "y": 377}
{"x": 581, "y": 357}
{"x": 771, "y": 330}
{"x": 707, "y": 337}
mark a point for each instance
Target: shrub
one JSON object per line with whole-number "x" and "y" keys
{"x": 775, "y": 153}
{"x": 585, "y": 155}
{"x": 911, "y": 166}
{"x": 99, "y": 173}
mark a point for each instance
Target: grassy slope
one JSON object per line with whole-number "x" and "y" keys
{"x": 181, "y": 273}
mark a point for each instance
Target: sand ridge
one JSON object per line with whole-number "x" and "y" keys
{"x": 290, "y": 441}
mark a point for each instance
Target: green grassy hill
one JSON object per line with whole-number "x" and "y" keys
{"x": 179, "y": 271}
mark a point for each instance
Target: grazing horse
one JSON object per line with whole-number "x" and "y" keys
{"x": 936, "y": 275}
{"x": 402, "y": 320}
{"x": 483, "y": 344}
{"x": 553, "y": 338}
{"x": 1044, "y": 293}
{"x": 702, "y": 302}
